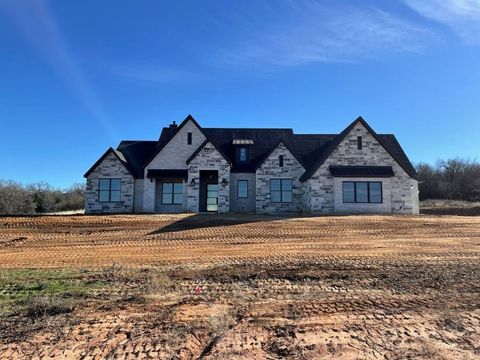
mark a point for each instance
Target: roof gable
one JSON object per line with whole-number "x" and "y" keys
{"x": 267, "y": 155}
{"x": 167, "y": 136}
{"x": 117, "y": 154}
{"x": 387, "y": 144}
{"x": 196, "y": 152}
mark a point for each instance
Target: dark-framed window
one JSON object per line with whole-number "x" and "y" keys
{"x": 281, "y": 190}
{"x": 109, "y": 189}
{"x": 189, "y": 138}
{"x": 280, "y": 161}
{"x": 242, "y": 188}
{"x": 172, "y": 193}
{"x": 242, "y": 154}
{"x": 359, "y": 143}
{"x": 362, "y": 192}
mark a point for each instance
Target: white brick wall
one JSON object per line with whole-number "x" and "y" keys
{"x": 110, "y": 167}
{"x": 270, "y": 169}
{"x": 208, "y": 159}
{"x": 404, "y": 190}
{"x": 173, "y": 156}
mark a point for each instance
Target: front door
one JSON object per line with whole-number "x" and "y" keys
{"x": 212, "y": 197}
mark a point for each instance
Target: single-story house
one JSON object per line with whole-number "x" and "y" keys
{"x": 195, "y": 169}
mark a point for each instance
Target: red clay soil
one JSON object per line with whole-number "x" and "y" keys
{"x": 380, "y": 287}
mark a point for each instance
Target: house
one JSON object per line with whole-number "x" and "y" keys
{"x": 196, "y": 169}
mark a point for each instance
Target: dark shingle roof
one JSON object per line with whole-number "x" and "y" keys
{"x": 311, "y": 150}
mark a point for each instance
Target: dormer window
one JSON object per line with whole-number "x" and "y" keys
{"x": 359, "y": 143}
{"x": 189, "y": 138}
{"x": 242, "y": 155}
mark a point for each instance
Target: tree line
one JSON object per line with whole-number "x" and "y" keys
{"x": 454, "y": 179}
{"x": 39, "y": 198}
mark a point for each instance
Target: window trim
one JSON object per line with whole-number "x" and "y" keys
{"x": 172, "y": 194}
{"x": 368, "y": 192}
{"x": 109, "y": 190}
{"x": 189, "y": 138}
{"x": 238, "y": 188}
{"x": 281, "y": 191}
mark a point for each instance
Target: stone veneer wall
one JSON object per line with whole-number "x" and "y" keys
{"x": 270, "y": 169}
{"x": 112, "y": 168}
{"x": 242, "y": 204}
{"x": 208, "y": 159}
{"x": 173, "y": 156}
{"x": 403, "y": 189}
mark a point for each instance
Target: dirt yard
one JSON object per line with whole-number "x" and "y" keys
{"x": 240, "y": 287}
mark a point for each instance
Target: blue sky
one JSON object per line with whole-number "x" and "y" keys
{"x": 78, "y": 77}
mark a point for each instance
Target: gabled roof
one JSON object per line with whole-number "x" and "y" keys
{"x": 311, "y": 150}
{"x": 167, "y": 135}
{"x": 273, "y": 149}
{"x": 202, "y": 145}
{"x": 388, "y": 145}
{"x": 119, "y": 156}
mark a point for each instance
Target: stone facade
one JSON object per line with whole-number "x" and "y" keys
{"x": 402, "y": 189}
{"x": 208, "y": 159}
{"x": 247, "y": 204}
{"x": 111, "y": 168}
{"x": 173, "y": 156}
{"x": 270, "y": 169}
{"x": 321, "y": 193}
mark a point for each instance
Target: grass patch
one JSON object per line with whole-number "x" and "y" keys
{"x": 18, "y": 287}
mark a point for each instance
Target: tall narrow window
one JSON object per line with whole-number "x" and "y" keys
{"x": 359, "y": 143}
{"x": 281, "y": 190}
{"x": 242, "y": 154}
{"x": 109, "y": 190}
{"x": 189, "y": 138}
{"x": 242, "y": 188}
{"x": 172, "y": 193}
{"x": 280, "y": 161}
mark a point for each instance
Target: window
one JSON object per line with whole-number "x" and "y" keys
{"x": 172, "y": 193}
{"x": 242, "y": 188}
{"x": 359, "y": 143}
{"x": 281, "y": 190}
{"x": 109, "y": 190}
{"x": 242, "y": 155}
{"x": 189, "y": 138}
{"x": 362, "y": 192}
{"x": 280, "y": 161}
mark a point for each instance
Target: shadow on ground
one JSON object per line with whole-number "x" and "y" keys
{"x": 198, "y": 221}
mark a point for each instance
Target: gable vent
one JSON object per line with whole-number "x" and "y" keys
{"x": 242, "y": 142}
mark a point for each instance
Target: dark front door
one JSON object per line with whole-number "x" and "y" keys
{"x": 212, "y": 197}
{"x": 208, "y": 195}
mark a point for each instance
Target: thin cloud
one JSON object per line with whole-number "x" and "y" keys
{"x": 313, "y": 32}
{"x": 463, "y": 16}
{"x": 35, "y": 20}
